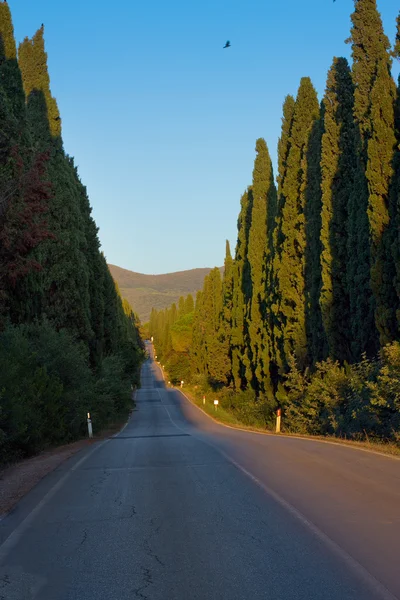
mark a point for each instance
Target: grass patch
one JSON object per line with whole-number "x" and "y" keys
{"x": 225, "y": 417}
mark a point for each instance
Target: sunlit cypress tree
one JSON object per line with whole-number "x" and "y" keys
{"x": 189, "y": 304}
{"x": 291, "y": 327}
{"x": 181, "y": 307}
{"x": 33, "y": 60}
{"x": 241, "y": 295}
{"x": 374, "y": 114}
{"x": 227, "y": 303}
{"x": 395, "y": 194}
{"x": 284, "y": 144}
{"x": 259, "y": 257}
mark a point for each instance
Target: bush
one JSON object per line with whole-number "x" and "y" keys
{"x": 47, "y": 387}
{"x": 178, "y": 367}
{"x": 356, "y": 401}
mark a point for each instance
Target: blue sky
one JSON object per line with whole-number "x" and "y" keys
{"x": 162, "y": 121}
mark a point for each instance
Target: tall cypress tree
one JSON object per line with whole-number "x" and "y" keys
{"x": 227, "y": 304}
{"x": 181, "y": 307}
{"x": 338, "y": 165}
{"x": 259, "y": 257}
{"x": 290, "y": 273}
{"x": 24, "y": 193}
{"x": 316, "y": 338}
{"x": 284, "y": 145}
{"x": 198, "y": 353}
{"x": 395, "y": 188}
{"x": 63, "y": 287}
{"x": 189, "y": 304}
{"x": 217, "y": 351}
{"x": 241, "y": 294}
{"x": 374, "y": 114}
{"x": 33, "y": 60}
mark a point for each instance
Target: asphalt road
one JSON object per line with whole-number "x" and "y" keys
{"x": 177, "y": 507}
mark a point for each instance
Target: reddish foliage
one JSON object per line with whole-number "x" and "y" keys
{"x": 24, "y": 226}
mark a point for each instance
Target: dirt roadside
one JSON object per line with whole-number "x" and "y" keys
{"x": 19, "y": 478}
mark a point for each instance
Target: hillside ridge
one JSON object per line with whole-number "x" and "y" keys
{"x": 144, "y": 291}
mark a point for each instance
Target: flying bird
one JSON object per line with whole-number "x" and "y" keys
{"x": 228, "y": 44}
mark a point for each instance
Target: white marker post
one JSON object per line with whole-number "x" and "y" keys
{"x": 89, "y": 425}
{"x": 278, "y": 420}
{"x": 204, "y": 399}
{"x": 216, "y": 404}
{"x": 182, "y": 382}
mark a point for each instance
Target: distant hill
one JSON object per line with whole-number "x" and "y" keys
{"x": 144, "y": 292}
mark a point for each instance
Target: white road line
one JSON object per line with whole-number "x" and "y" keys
{"x": 289, "y": 437}
{"x": 12, "y": 540}
{"x": 382, "y": 592}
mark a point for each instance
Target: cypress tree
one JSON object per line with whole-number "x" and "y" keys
{"x": 290, "y": 273}
{"x": 374, "y": 114}
{"x": 395, "y": 188}
{"x": 181, "y": 307}
{"x": 284, "y": 145}
{"x": 216, "y": 345}
{"x": 241, "y": 295}
{"x": 227, "y": 303}
{"x": 395, "y": 192}
{"x": 259, "y": 257}
{"x": 33, "y": 60}
{"x": 316, "y": 338}
{"x": 198, "y": 354}
{"x": 24, "y": 192}
{"x": 173, "y": 314}
{"x": 63, "y": 287}
{"x": 189, "y": 304}
{"x": 338, "y": 165}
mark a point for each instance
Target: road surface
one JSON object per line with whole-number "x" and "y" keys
{"x": 177, "y": 507}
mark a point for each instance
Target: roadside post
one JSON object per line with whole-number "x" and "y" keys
{"x": 216, "y": 404}
{"x": 204, "y": 399}
{"x": 182, "y": 382}
{"x": 89, "y": 425}
{"x": 278, "y": 420}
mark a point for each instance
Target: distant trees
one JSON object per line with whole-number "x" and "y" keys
{"x": 61, "y": 315}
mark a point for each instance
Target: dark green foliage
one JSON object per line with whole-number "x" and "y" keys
{"x": 68, "y": 343}
{"x": 339, "y": 164}
{"x": 395, "y": 202}
{"x": 316, "y": 337}
{"x": 47, "y": 387}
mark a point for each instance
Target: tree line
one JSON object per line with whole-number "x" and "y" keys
{"x": 307, "y": 313}
{"x": 69, "y": 344}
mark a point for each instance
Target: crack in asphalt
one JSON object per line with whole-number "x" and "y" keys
{"x": 147, "y": 580}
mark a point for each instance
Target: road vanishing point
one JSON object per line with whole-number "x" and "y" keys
{"x": 178, "y": 507}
